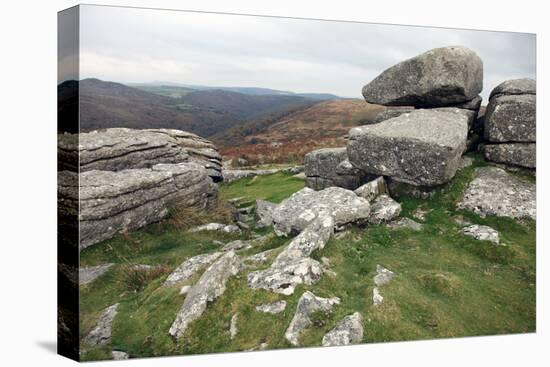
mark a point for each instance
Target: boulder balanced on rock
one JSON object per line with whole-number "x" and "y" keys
{"x": 422, "y": 147}
{"x": 510, "y": 124}
{"x": 439, "y": 77}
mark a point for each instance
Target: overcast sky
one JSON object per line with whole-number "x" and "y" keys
{"x": 137, "y": 45}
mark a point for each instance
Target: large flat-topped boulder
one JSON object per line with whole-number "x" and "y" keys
{"x": 439, "y": 77}
{"x": 330, "y": 167}
{"x": 511, "y": 118}
{"x": 514, "y": 87}
{"x": 517, "y": 154}
{"x": 294, "y": 214}
{"x": 112, "y": 202}
{"x": 121, "y": 148}
{"x": 422, "y": 147}
{"x": 493, "y": 191}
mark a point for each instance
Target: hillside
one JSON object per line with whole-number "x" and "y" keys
{"x": 107, "y": 104}
{"x": 295, "y": 133}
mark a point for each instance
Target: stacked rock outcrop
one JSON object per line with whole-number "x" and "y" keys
{"x": 432, "y": 102}
{"x": 510, "y": 124}
{"x": 130, "y": 178}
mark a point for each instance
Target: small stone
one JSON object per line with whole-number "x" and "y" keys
{"x": 405, "y": 223}
{"x": 420, "y": 213}
{"x": 383, "y": 276}
{"x": 372, "y": 189}
{"x": 348, "y": 331}
{"x": 264, "y": 214}
{"x": 89, "y": 274}
{"x": 184, "y": 289}
{"x": 272, "y": 308}
{"x": 101, "y": 334}
{"x": 233, "y": 330}
{"x": 384, "y": 209}
{"x": 227, "y": 228}
{"x": 119, "y": 355}
{"x": 377, "y": 298}
{"x": 190, "y": 267}
{"x": 237, "y": 245}
{"x": 482, "y": 233}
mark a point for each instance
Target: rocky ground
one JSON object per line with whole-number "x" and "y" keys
{"x": 434, "y": 271}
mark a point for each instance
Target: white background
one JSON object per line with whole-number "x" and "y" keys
{"x": 28, "y": 183}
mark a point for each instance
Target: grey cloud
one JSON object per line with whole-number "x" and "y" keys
{"x": 123, "y": 44}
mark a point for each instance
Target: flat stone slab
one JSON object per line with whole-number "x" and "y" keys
{"x": 272, "y": 308}
{"x": 515, "y": 154}
{"x": 101, "y": 334}
{"x": 210, "y": 286}
{"x": 439, "y": 77}
{"x": 514, "y": 87}
{"x": 493, "y": 191}
{"x": 405, "y": 223}
{"x": 482, "y": 233}
{"x": 348, "y": 331}
{"x": 422, "y": 147}
{"x": 295, "y": 213}
{"x": 190, "y": 267}
{"x": 227, "y": 228}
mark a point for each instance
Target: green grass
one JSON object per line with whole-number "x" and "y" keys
{"x": 446, "y": 284}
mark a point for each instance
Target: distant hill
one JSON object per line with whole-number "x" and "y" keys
{"x": 166, "y": 88}
{"x": 108, "y": 104}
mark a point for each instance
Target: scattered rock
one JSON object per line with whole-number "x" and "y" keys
{"x": 511, "y": 118}
{"x": 227, "y": 228}
{"x": 348, "y": 331}
{"x": 262, "y": 346}
{"x": 330, "y": 167}
{"x": 119, "y": 355}
{"x": 233, "y": 330}
{"x": 405, "y": 223}
{"x": 89, "y": 274}
{"x": 210, "y": 286}
{"x": 307, "y": 304}
{"x": 422, "y": 147}
{"x": 493, "y": 191}
{"x": 482, "y": 233}
{"x": 191, "y": 266}
{"x": 260, "y": 257}
{"x": 264, "y": 213}
{"x": 295, "y": 213}
{"x": 101, "y": 334}
{"x": 516, "y": 154}
{"x": 383, "y": 276}
{"x": 439, "y": 77}
{"x": 231, "y": 175}
{"x": 377, "y": 298}
{"x": 384, "y": 209}
{"x": 420, "y": 213}
{"x": 110, "y": 202}
{"x": 118, "y": 149}
{"x": 272, "y": 308}
{"x": 237, "y": 245}
{"x": 514, "y": 87}
{"x": 372, "y": 189}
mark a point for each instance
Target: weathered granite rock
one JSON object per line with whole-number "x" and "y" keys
{"x": 109, "y": 202}
{"x": 237, "y": 245}
{"x": 191, "y": 266}
{"x": 516, "y": 154}
{"x": 422, "y": 147}
{"x": 384, "y": 209}
{"x": 377, "y": 298}
{"x": 439, "y": 77}
{"x": 295, "y": 213}
{"x": 293, "y": 266}
{"x": 372, "y": 189}
{"x": 390, "y": 112}
{"x": 511, "y": 118}
{"x": 119, "y": 355}
{"x": 482, "y": 233}
{"x": 272, "y": 308}
{"x": 383, "y": 276}
{"x": 101, "y": 334}
{"x": 231, "y": 175}
{"x": 259, "y": 257}
{"x": 233, "y": 329}
{"x": 210, "y": 286}
{"x": 330, "y": 167}
{"x": 227, "y": 228}
{"x": 89, "y": 274}
{"x": 469, "y": 114}
{"x": 348, "y": 331}
{"x": 493, "y": 191}
{"x": 405, "y": 223}
{"x": 307, "y": 304}
{"x": 264, "y": 214}
{"x": 119, "y": 149}
{"x": 184, "y": 290}
{"x": 398, "y": 189}
{"x": 514, "y": 87}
